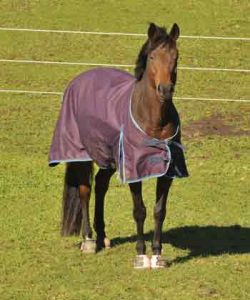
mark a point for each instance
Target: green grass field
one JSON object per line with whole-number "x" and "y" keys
{"x": 207, "y": 230}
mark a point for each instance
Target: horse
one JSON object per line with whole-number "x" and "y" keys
{"x": 123, "y": 123}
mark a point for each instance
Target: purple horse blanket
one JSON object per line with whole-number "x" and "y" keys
{"x": 96, "y": 124}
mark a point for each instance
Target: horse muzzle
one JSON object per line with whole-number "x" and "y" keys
{"x": 165, "y": 92}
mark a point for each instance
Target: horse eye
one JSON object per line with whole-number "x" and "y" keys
{"x": 151, "y": 57}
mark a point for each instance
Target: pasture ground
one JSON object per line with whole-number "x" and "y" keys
{"x": 207, "y": 230}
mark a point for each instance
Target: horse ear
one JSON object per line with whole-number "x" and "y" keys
{"x": 174, "y": 32}
{"x": 152, "y": 31}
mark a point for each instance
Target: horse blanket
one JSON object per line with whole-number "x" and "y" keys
{"x": 96, "y": 124}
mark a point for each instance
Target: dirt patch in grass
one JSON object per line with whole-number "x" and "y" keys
{"x": 214, "y": 125}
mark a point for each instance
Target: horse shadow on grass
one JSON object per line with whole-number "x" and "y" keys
{"x": 201, "y": 240}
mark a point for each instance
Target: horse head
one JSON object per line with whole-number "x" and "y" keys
{"x": 158, "y": 58}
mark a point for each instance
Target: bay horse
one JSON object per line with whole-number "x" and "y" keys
{"x": 125, "y": 123}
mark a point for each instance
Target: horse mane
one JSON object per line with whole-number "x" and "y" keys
{"x": 161, "y": 38}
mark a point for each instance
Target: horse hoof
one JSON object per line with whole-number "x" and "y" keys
{"x": 142, "y": 262}
{"x": 88, "y": 246}
{"x": 157, "y": 262}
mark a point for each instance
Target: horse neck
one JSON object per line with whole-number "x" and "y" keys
{"x": 151, "y": 115}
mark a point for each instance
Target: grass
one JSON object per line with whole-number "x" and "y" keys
{"x": 206, "y": 233}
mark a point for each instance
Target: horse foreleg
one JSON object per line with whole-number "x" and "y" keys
{"x": 139, "y": 214}
{"x": 163, "y": 185}
{"x": 102, "y": 180}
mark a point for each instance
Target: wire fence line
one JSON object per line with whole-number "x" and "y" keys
{"x": 117, "y": 65}
{"x": 30, "y": 92}
{"x": 177, "y": 98}
{"x": 120, "y": 33}
{"x": 120, "y": 65}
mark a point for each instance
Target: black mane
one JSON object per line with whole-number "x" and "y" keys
{"x": 161, "y": 38}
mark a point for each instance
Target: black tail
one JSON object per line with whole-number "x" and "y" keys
{"x": 72, "y": 211}
{"x": 71, "y": 204}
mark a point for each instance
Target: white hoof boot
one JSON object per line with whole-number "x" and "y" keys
{"x": 157, "y": 262}
{"x": 107, "y": 243}
{"x": 88, "y": 246}
{"x": 142, "y": 262}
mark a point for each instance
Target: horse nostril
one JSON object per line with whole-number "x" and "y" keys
{"x": 159, "y": 88}
{"x": 169, "y": 88}
{"x": 165, "y": 90}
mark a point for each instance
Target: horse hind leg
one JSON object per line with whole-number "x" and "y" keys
{"x": 77, "y": 190}
{"x": 88, "y": 244}
{"x": 102, "y": 180}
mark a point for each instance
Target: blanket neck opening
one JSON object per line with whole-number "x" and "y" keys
{"x": 155, "y": 118}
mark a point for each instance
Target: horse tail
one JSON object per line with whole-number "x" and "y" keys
{"x": 71, "y": 202}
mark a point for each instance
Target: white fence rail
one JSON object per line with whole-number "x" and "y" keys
{"x": 22, "y": 61}
{"x": 177, "y": 98}
{"x": 121, "y": 33}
